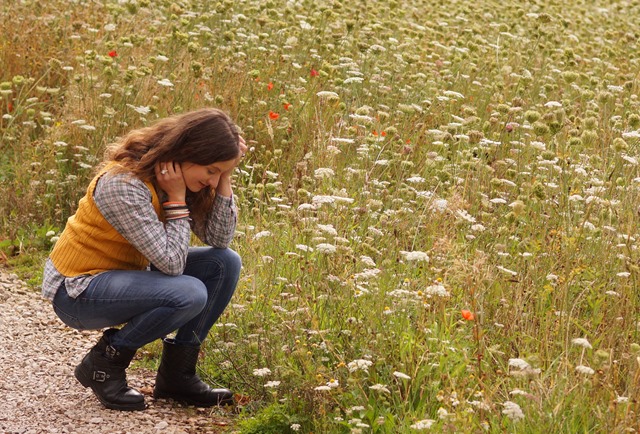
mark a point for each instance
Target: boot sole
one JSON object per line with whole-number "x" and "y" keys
{"x": 86, "y": 382}
{"x": 188, "y": 401}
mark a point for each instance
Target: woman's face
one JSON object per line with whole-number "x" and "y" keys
{"x": 197, "y": 177}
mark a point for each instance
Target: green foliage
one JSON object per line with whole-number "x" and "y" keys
{"x": 272, "y": 419}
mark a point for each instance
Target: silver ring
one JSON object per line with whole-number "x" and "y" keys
{"x": 164, "y": 171}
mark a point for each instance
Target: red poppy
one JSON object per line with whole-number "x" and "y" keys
{"x": 314, "y": 73}
{"x": 113, "y": 53}
{"x": 273, "y": 115}
{"x": 269, "y": 86}
{"x": 467, "y": 314}
{"x": 286, "y": 105}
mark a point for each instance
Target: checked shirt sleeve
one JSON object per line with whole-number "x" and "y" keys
{"x": 125, "y": 202}
{"x": 221, "y": 222}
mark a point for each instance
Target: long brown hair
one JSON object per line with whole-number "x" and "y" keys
{"x": 203, "y": 137}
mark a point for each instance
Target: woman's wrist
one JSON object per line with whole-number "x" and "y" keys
{"x": 224, "y": 185}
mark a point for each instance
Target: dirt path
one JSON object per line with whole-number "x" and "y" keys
{"x": 39, "y": 394}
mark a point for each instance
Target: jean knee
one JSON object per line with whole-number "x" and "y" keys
{"x": 191, "y": 294}
{"x": 232, "y": 261}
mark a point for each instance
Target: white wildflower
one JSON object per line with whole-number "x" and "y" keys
{"x": 465, "y": 216}
{"x": 380, "y": 388}
{"x": 581, "y": 342}
{"x": 261, "y": 234}
{"x": 538, "y": 145}
{"x": 295, "y": 427}
{"x": 165, "y": 82}
{"x": 304, "y": 248}
{"x": 507, "y": 271}
{"x": 581, "y": 369}
{"x": 553, "y": 104}
{"x": 367, "y": 260}
{"x": 415, "y": 256}
{"x": 353, "y": 80}
{"x": 262, "y": 372}
{"x": 143, "y": 110}
{"x": 272, "y": 384}
{"x": 326, "y": 248}
{"x": 437, "y": 291}
{"x": 322, "y": 388}
{"x": 519, "y": 363}
{"x": 402, "y": 376}
{"x": 340, "y": 139}
{"x": 361, "y": 118}
{"x": 324, "y": 172}
{"x": 327, "y": 94}
{"x": 416, "y": 180}
{"x": 452, "y": 94}
{"x": 367, "y": 274}
{"x": 442, "y": 413}
{"x": 359, "y": 364}
{"x": 333, "y": 383}
{"x": 440, "y": 205}
{"x": 513, "y": 411}
{"x": 423, "y": 424}
{"x": 328, "y": 229}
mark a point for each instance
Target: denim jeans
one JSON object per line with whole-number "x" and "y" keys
{"x": 151, "y": 304}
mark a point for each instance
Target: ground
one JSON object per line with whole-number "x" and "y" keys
{"x": 39, "y": 393}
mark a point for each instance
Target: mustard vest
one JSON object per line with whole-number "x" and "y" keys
{"x": 90, "y": 245}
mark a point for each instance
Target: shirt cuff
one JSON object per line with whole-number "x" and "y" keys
{"x": 223, "y": 200}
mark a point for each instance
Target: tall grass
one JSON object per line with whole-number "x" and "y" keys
{"x": 438, "y": 213}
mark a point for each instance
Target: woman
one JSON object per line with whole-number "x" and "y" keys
{"x": 124, "y": 257}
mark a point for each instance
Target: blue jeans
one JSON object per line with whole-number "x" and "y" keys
{"x": 151, "y": 304}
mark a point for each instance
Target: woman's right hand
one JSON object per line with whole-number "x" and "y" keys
{"x": 169, "y": 177}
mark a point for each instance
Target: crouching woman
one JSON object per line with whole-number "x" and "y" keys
{"x": 124, "y": 258}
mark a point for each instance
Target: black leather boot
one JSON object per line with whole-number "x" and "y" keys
{"x": 103, "y": 370}
{"x": 177, "y": 378}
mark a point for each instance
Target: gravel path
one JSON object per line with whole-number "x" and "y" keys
{"x": 39, "y": 394}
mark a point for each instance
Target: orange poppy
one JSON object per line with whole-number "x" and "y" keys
{"x": 467, "y": 314}
{"x": 273, "y": 115}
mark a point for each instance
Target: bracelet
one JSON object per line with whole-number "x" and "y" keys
{"x": 173, "y": 212}
{"x": 177, "y": 216}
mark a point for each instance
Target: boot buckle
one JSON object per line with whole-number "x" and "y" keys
{"x": 111, "y": 352}
{"x": 100, "y": 376}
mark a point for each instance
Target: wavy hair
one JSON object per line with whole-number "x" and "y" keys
{"x": 203, "y": 137}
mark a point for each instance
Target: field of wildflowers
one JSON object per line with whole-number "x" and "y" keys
{"x": 439, "y": 212}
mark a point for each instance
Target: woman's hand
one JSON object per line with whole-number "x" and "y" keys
{"x": 224, "y": 185}
{"x": 169, "y": 177}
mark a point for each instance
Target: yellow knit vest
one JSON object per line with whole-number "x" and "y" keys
{"x": 90, "y": 245}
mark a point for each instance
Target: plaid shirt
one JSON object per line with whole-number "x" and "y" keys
{"x": 125, "y": 202}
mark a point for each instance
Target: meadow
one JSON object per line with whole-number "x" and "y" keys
{"x": 438, "y": 213}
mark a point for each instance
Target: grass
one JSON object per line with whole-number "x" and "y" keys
{"x": 438, "y": 213}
